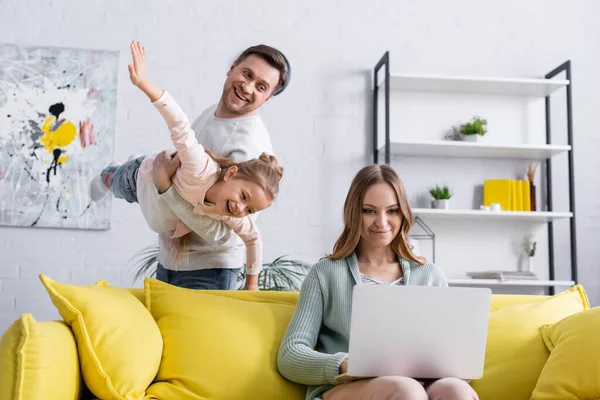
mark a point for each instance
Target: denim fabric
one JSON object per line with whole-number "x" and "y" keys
{"x": 206, "y": 279}
{"x": 123, "y": 182}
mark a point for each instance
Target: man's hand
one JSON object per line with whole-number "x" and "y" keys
{"x": 164, "y": 167}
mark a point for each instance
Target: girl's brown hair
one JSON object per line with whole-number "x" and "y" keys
{"x": 264, "y": 171}
{"x": 364, "y": 179}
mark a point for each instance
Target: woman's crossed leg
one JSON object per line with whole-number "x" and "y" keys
{"x": 402, "y": 388}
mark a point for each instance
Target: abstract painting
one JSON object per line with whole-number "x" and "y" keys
{"x": 47, "y": 95}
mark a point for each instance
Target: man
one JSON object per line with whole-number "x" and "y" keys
{"x": 213, "y": 254}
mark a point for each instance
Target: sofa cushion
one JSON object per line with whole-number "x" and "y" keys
{"x": 515, "y": 350}
{"x": 118, "y": 342}
{"x": 30, "y": 353}
{"x": 572, "y": 370}
{"x": 138, "y": 293}
{"x": 220, "y": 344}
{"x": 500, "y": 301}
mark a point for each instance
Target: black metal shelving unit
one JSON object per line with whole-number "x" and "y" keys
{"x": 384, "y": 63}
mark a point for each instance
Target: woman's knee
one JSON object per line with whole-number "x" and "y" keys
{"x": 398, "y": 388}
{"x": 451, "y": 389}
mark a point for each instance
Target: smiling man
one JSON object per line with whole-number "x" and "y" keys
{"x": 231, "y": 128}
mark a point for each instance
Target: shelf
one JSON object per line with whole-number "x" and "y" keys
{"x": 511, "y": 282}
{"x": 533, "y": 216}
{"x": 476, "y": 85}
{"x": 463, "y": 92}
{"x": 476, "y": 150}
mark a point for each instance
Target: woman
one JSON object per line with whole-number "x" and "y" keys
{"x": 373, "y": 249}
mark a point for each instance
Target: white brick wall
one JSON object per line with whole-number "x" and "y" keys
{"x": 320, "y": 127}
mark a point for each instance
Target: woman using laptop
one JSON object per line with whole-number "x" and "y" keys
{"x": 372, "y": 249}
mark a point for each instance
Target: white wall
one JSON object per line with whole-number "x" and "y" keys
{"x": 320, "y": 127}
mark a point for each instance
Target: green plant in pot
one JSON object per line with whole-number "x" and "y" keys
{"x": 441, "y": 197}
{"x": 474, "y": 129}
{"x": 282, "y": 274}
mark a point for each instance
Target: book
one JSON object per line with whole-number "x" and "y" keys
{"x": 511, "y": 194}
{"x": 503, "y": 275}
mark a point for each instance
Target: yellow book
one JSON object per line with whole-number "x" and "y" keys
{"x": 518, "y": 196}
{"x": 526, "y": 195}
{"x": 498, "y": 191}
{"x": 513, "y": 196}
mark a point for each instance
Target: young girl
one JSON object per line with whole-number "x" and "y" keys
{"x": 217, "y": 187}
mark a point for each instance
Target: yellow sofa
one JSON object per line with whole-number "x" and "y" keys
{"x": 165, "y": 342}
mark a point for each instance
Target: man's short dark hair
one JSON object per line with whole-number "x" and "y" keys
{"x": 274, "y": 58}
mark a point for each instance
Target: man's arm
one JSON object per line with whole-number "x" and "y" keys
{"x": 209, "y": 229}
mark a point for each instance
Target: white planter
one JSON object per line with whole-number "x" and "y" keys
{"x": 441, "y": 204}
{"x": 530, "y": 264}
{"x": 470, "y": 138}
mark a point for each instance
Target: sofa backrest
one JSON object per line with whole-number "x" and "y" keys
{"x": 498, "y": 300}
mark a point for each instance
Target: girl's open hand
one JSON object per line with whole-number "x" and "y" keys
{"x": 137, "y": 71}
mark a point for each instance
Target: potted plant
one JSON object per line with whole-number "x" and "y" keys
{"x": 441, "y": 197}
{"x": 281, "y": 274}
{"x": 473, "y": 130}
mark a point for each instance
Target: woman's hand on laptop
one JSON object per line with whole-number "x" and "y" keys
{"x": 344, "y": 367}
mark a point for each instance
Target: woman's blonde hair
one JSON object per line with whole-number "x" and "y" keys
{"x": 265, "y": 171}
{"x": 364, "y": 179}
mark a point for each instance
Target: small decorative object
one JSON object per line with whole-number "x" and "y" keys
{"x": 473, "y": 130}
{"x": 529, "y": 251}
{"x": 453, "y": 135}
{"x": 441, "y": 196}
{"x": 531, "y": 168}
{"x": 421, "y": 232}
{"x": 496, "y": 207}
{"x": 484, "y": 208}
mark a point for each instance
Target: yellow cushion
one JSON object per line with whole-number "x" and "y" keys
{"x": 30, "y": 355}
{"x": 572, "y": 370}
{"x": 118, "y": 342}
{"x": 138, "y": 293}
{"x": 508, "y": 300}
{"x": 220, "y": 344}
{"x": 515, "y": 351}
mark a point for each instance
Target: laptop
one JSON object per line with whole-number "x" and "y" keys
{"x": 417, "y": 331}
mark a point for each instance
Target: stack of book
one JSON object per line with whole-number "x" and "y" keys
{"x": 511, "y": 194}
{"x": 502, "y": 275}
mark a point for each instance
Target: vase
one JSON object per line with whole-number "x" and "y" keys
{"x": 530, "y": 264}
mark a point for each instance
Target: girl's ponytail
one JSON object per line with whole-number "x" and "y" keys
{"x": 272, "y": 162}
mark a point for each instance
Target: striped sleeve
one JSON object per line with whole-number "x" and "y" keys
{"x": 297, "y": 360}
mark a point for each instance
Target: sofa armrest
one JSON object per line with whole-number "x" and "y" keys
{"x": 38, "y": 360}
